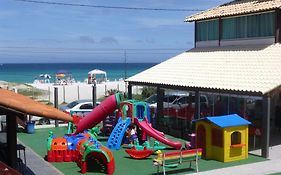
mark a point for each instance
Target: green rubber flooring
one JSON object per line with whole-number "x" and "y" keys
{"x": 124, "y": 165}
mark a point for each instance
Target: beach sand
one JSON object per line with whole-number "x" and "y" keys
{"x": 70, "y": 92}
{"x": 76, "y": 91}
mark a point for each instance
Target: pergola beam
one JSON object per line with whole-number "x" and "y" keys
{"x": 206, "y": 90}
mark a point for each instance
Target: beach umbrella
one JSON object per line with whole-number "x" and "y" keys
{"x": 47, "y": 76}
{"x": 62, "y": 72}
{"x": 60, "y": 75}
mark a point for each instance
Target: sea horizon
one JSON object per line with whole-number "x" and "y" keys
{"x": 28, "y": 72}
{"x": 81, "y": 63}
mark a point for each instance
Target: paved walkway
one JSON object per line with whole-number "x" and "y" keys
{"x": 265, "y": 167}
{"x": 37, "y": 165}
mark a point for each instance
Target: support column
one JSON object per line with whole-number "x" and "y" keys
{"x": 56, "y": 97}
{"x": 94, "y": 94}
{"x": 160, "y": 97}
{"x": 220, "y": 31}
{"x": 11, "y": 140}
{"x": 195, "y": 33}
{"x": 197, "y": 105}
{"x": 278, "y": 26}
{"x": 130, "y": 93}
{"x": 265, "y": 127}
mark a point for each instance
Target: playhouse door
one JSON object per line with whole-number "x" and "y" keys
{"x": 201, "y": 139}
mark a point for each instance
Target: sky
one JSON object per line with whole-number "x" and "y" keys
{"x": 48, "y": 33}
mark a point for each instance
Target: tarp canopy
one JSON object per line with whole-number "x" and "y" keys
{"x": 97, "y": 71}
{"x": 23, "y": 104}
{"x": 97, "y": 76}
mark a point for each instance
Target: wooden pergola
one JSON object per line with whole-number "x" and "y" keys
{"x": 15, "y": 105}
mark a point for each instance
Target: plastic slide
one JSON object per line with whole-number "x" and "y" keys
{"x": 116, "y": 136}
{"x": 99, "y": 113}
{"x": 158, "y": 132}
{"x": 145, "y": 126}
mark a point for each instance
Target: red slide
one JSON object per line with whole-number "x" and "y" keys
{"x": 99, "y": 113}
{"x": 144, "y": 125}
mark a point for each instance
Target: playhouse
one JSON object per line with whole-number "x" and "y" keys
{"x": 223, "y": 138}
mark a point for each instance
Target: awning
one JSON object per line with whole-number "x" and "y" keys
{"x": 254, "y": 69}
{"x": 23, "y": 104}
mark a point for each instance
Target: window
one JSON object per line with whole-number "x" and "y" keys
{"x": 72, "y": 104}
{"x": 170, "y": 98}
{"x": 261, "y": 25}
{"x": 235, "y": 138}
{"x": 207, "y": 30}
{"x": 217, "y": 137}
{"x": 183, "y": 100}
{"x": 86, "y": 106}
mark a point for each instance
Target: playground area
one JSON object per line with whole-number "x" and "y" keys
{"x": 119, "y": 133}
{"x": 123, "y": 163}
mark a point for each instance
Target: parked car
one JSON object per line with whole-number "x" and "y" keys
{"x": 77, "y": 104}
{"x": 41, "y": 120}
{"x": 167, "y": 100}
{"x": 176, "y": 100}
{"x": 183, "y": 101}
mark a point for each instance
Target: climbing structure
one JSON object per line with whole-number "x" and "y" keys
{"x": 116, "y": 136}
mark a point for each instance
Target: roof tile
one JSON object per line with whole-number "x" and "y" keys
{"x": 236, "y": 7}
{"x": 253, "y": 69}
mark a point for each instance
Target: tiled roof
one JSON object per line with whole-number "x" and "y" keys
{"x": 253, "y": 69}
{"x": 236, "y": 7}
{"x": 227, "y": 120}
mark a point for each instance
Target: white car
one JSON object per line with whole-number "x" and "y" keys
{"x": 41, "y": 120}
{"x": 78, "y": 105}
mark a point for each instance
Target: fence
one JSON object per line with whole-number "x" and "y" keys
{"x": 68, "y": 93}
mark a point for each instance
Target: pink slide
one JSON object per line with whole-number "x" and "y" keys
{"x": 144, "y": 125}
{"x": 99, "y": 113}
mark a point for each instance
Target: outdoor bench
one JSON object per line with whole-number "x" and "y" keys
{"x": 174, "y": 159}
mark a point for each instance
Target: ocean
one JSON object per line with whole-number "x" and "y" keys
{"x": 27, "y": 73}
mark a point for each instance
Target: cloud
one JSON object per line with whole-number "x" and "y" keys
{"x": 109, "y": 40}
{"x": 158, "y": 22}
{"x": 149, "y": 40}
{"x": 87, "y": 39}
{"x": 145, "y": 40}
{"x": 7, "y": 13}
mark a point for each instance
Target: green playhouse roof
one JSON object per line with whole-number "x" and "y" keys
{"x": 227, "y": 120}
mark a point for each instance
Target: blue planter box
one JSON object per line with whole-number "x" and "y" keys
{"x": 30, "y": 127}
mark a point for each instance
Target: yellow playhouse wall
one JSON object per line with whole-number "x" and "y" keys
{"x": 216, "y": 153}
{"x": 208, "y": 135}
{"x": 212, "y": 152}
{"x": 231, "y": 153}
{"x": 225, "y": 153}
